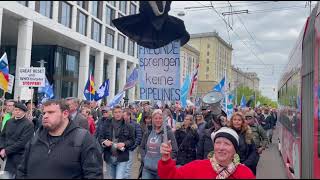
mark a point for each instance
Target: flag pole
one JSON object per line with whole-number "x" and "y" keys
{"x": 2, "y": 108}
{"x": 226, "y": 89}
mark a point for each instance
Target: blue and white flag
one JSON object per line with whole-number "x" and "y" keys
{"x": 243, "y": 102}
{"x": 184, "y": 91}
{"x": 116, "y": 100}
{"x": 219, "y": 87}
{"x": 132, "y": 80}
{"x": 47, "y": 90}
{"x": 103, "y": 91}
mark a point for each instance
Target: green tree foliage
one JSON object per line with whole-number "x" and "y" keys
{"x": 247, "y": 92}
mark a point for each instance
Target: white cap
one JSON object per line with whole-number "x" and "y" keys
{"x": 226, "y": 131}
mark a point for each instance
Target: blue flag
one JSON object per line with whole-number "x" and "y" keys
{"x": 132, "y": 80}
{"x": 47, "y": 90}
{"x": 116, "y": 100}
{"x": 184, "y": 91}
{"x": 219, "y": 87}
{"x": 103, "y": 91}
{"x": 243, "y": 102}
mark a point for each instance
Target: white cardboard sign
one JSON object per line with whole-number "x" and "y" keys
{"x": 32, "y": 77}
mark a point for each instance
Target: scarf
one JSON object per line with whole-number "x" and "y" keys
{"x": 224, "y": 172}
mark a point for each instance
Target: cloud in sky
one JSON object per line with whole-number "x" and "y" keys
{"x": 274, "y": 28}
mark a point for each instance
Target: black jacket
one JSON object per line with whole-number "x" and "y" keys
{"x": 69, "y": 158}
{"x": 187, "y": 144}
{"x": 205, "y": 145}
{"x": 248, "y": 153}
{"x": 125, "y": 136}
{"x": 15, "y": 135}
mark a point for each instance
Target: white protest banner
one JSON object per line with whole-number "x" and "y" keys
{"x": 26, "y": 94}
{"x": 32, "y": 77}
{"x": 159, "y": 72}
{"x": 10, "y": 84}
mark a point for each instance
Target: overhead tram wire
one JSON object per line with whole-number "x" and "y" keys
{"x": 234, "y": 32}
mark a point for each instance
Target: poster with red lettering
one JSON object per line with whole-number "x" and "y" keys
{"x": 32, "y": 77}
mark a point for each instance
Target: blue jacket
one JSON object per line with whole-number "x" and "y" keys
{"x": 138, "y": 134}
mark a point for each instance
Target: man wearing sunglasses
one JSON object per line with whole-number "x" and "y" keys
{"x": 259, "y": 134}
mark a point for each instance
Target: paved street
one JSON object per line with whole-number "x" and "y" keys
{"x": 270, "y": 164}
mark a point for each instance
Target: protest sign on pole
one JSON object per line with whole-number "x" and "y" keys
{"x": 159, "y": 72}
{"x": 32, "y": 77}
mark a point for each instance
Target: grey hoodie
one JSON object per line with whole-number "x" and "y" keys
{"x": 150, "y": 148}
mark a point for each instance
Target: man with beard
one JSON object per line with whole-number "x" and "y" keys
{"x": 60, "y": 149}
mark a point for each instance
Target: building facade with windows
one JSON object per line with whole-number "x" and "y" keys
{"x": 189, "y": 58}
{"x": 75, "y": 38}
{"x": 248, "y": 79}
{"x": 215, "y": 59}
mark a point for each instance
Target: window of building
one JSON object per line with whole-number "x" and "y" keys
{"x": 121, "y": 43}
{"x": 207, "y": 69}
{"x": 81, "y": 23}
{"x": 83, "y": 4}
{"x": 208, "y": 53}
{"x": 91, "y": 64}
{"x": 123, "y": 6}
{"x": 207, "y": 76}
{"x": 110, "y": 15}
{"x": 96, "y": 10}
{"x": 25, "y": 3}
{"x": 118, "y": 76}
{"x": 65, "y": 13}
{"x": 96, "y": 31}
{"x": 133, "y": 9}
{"x": 44, "y": 8}
{"x": 109, "y": 38}
{"x": 208, "y": 46}
{"x": 208, "y": 61}
{"x": 113, "y": 3}
{"x": 131, "y": 48}
{"x": 66, "y": 73}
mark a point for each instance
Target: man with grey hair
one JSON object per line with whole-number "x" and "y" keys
{"x": 75, "y": 115}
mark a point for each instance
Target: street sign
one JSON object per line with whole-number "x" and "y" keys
{"x": 32, "y": 77}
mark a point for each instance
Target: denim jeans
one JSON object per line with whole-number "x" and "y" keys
{"x": 116, "y": 169}
{"x": 129, "y": 165}
{"x": 146, "y": 174}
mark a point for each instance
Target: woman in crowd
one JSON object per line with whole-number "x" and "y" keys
{"x": 222, "y": 165}
{"x": 86, "y": 113}
{"x": 170, "y": 120}
{"x": 150, "y": 146}
{"x": 187, "y": 139}
{"x": 146, "y": 123}
{"x": 247, "y": 149}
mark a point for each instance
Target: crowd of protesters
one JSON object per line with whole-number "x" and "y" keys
{"x": 70, "y": 138}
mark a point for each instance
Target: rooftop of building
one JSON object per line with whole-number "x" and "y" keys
{"x": 250, "y": 75}
{"x": 211, "y": 34}
{"x": 192, "y": 49}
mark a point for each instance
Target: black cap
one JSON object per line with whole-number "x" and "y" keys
{"x": 21, "y": 106}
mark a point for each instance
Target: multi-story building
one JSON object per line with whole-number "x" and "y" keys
{"x": 75, "y": 38}
{"x": 215, "y": 59}
{"x": 248, "y": 79}
{"x": 189, "y": 58}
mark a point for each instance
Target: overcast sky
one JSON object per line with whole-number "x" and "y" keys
{"x": 262, "y": 44}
